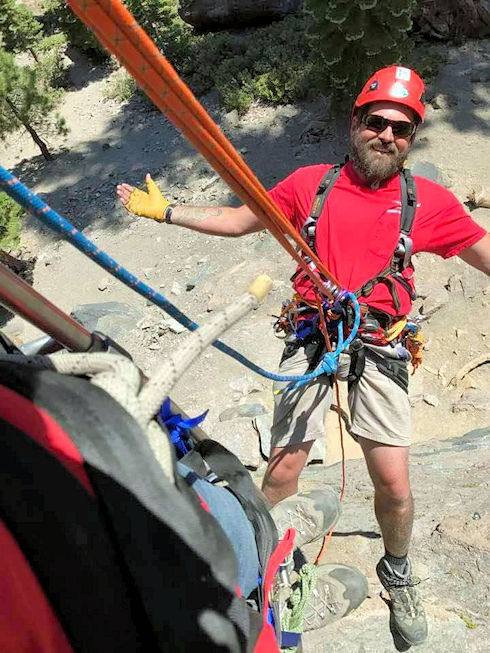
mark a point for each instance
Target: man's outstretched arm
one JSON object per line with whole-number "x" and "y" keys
{"x": 478, "y": 255}
{"x": 217, "y": 221}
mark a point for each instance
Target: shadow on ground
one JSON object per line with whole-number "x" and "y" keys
{"x": 81, "y": 182}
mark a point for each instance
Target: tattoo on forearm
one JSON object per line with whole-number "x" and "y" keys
{"x": 188, "y": 215}
{"x": 214, "y": 212}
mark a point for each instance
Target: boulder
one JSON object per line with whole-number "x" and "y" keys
{"x": 428, "y": 170}
{"x": 453, "y": 19}
{"x": 113, "y": 319}
{"x": 212, "y": 14}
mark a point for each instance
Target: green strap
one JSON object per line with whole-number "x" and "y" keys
{"x": 294, "y": 613}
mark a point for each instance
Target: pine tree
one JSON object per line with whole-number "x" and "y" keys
{"x": 19, "y": 30}
{"x": 25, "y": 101}
{"x": 353, "y": 38}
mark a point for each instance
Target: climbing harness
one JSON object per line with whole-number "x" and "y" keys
{"x": 299, "y": 319}
{"x": 401, "y": 257}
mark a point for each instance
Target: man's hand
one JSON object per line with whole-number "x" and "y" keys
{"x": 148, "y": 205}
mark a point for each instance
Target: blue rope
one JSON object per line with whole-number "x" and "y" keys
{"x": 330, "y": 361}
{"x": 35, "y": 205}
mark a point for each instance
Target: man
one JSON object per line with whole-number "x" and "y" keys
{"x": 356, "y": 235}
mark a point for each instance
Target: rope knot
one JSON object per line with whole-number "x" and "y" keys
{"x": 330, "y": 362}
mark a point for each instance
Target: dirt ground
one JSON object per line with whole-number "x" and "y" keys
{"x": 110, "y": 142}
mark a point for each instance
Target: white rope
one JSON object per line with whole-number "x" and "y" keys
{"x": 160, "y": 385}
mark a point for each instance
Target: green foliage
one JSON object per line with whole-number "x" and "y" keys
{"x": 19, "y": 30}
{"x": 158, "y": 17}
{"x": 58, "y": 17}
{"x": 353, "y": 38}
{"x": 272, "y": 63}
{"x": 51, "y": 66}
{"x": 10, "y": 214}
{"x": 26, "y": 100}
{"x": 121, "y": 87}
{"x": 331, "y": 48}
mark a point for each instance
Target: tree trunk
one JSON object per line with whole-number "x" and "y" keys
{"x": 453, "y": 19}
{"x": 33, "y": 54}
{"x": 35, "y": 136}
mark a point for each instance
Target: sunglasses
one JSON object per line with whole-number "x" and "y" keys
{"x": 398, "y": 127}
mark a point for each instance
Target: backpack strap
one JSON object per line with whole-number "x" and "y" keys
{"x": 402, "y": 255}
{"x": 403, "y": 252}
{"x": 308, "y": 232}
{"x": 228, "y": 467}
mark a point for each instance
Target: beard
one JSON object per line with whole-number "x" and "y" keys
{"x": 374, "y": 167}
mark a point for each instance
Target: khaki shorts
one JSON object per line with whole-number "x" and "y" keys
{"x": 379, "y": 408}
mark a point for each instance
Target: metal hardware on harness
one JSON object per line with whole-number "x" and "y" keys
{"x": 404, "y": 251}
{"x": 401, "y": 258}
{"x": 282, "y": 587}
{"x": 357, "y": 362}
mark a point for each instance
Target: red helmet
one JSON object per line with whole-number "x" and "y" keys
{"x": 394, "y": 84}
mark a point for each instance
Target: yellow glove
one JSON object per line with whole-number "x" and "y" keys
{"x": 148, "y": 205}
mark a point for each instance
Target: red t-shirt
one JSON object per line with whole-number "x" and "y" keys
{"x": 358, "y": 228}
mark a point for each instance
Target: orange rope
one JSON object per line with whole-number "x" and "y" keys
{"x": 118, "y": 31}
{"x": 324, "y": 330}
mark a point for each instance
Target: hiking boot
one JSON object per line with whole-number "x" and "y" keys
{"x": 339, "y": 589}
{"x": 311, "y": 513}
{"x": 407, "y": 611}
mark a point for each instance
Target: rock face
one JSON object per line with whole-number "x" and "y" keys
{"x": 112, "y": 319}
{"x": 450, "y": 548}
{"x": 229, "y": 13}
{"x": 450, "y": 19}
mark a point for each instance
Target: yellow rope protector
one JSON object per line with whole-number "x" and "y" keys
{"x": 260, "y": 287}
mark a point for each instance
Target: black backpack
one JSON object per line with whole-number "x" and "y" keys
{"x": 128, "y": 560}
